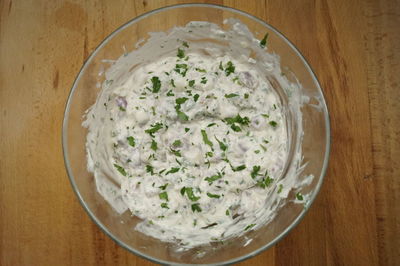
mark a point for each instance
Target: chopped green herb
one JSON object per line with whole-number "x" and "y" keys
{"x": 213, "y": 178}
{"x": 183, "y": 191}
{"x": 200, "y": 70}
{"x": 209, "y": 154}
{"x": 249, "y": 227}
{"x": 273, "y": 123}
{"x": 263, "y": 42}
{"x": 227, "y": 212}
{"x": 231, "y": 95}
{"x": 191, "y": 83}
{"x": 131, "y": 141}
{"x": 280, "y": 188}
{"x": 173, "y": 83}
{"x": 230, "y": 68}
{"x": 177, "y": 143}
{"x": 190, "y": 194}
{"x": 238, "y": 168}
{"x": 154, "y": 128}
{"x": 153, "y": 109}
{"x": 181, "y": 100}
{"x": 265, "y": 182}
{"x": 213, "y": 195}
{"x": 236, "y": 128}
{"x": 181, "y": 53}
{"x": 182, "y": 116}
{"x": 170, "y": 93}
{"x": 265, "y": 141}
{"x": 265, "y": 115}
{"x": 153, "y": 145}
{"x": 257, "y": 151}
{"x": 299, "y": 196}
{"x": 222, "y": 145}
{"x": 164, "y": 205}
{"x": 203, "y": 80}
{"x": 185, "y": 44}
{"x": 176, "y": 153}
{"x": 220, "y": 66}
{"x": 181, "y": 69}
{"x": 187, "y": 129}
{"x": 263, "y": 147}
{"x": 149, "y": 169}
{"x": 163, "y": 187}
{"x": 196, "y": 207}
{"x": 120, "y": 169}
{"x": 238, "y": 119}
{"x": 122, "y": 109}
{"x": 254, "y": 172}
{"x": 205, "y": 138}
{"x": 156, "y": 84}
{"x": 196, "y": 97}
{"x": 212, "y": 124}
{"x": 246, "y": 95}
{"x": 172, "y": 170}
{"x": 163, "y": 195}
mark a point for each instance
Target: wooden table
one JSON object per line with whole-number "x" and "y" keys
{"x": 354, "y": 48}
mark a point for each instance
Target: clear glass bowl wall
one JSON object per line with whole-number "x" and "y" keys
{"x": 315, "y": 144}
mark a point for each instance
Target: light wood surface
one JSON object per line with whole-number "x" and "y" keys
{"x": 354, "y": 48}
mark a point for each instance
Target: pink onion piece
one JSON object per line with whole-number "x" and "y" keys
{"x": 121, "y": 102}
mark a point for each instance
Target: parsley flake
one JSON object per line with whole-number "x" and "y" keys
{"x": 163, "y": 196}
{"x": 177, "y": 143}
{"x": 153, "y": 145}
{"x": 156, "y": 84}
{"x": 229, "y": 69}
{"x": 120, "y": 169}
{"x": 273, "y": 123}
{"x": 154, "y": 128}
{"x": 149, "y": 169}
{"x": 213, "y": 195}
{"x": 231, "y": 95}
{"x": 222, "y": 145}
{"x": 205, "y": 138}
{"x": 190, "y": 194}
{"x": 238, "y": 168}
{"x": 254, "y": 172}
{"x": 299, "y": 196}
{"x": 181, "y": 53}
{"x": 249, "y": 227}
{"x": 131, "y": 141}
{"x": 263, "y": 42}
{"x": 196, "y": 207}
{"x": 213, "y": 178}
{"x": 172, "y": 170}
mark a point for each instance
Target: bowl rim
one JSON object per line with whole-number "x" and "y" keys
{"x": 214, "y": 6}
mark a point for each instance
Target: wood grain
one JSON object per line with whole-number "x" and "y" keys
{"x": 354, "y": 48}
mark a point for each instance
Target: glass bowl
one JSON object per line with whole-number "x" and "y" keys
{"x": 315, "y": 140}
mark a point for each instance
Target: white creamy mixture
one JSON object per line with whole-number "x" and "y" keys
{"x": 193, "y": 141}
